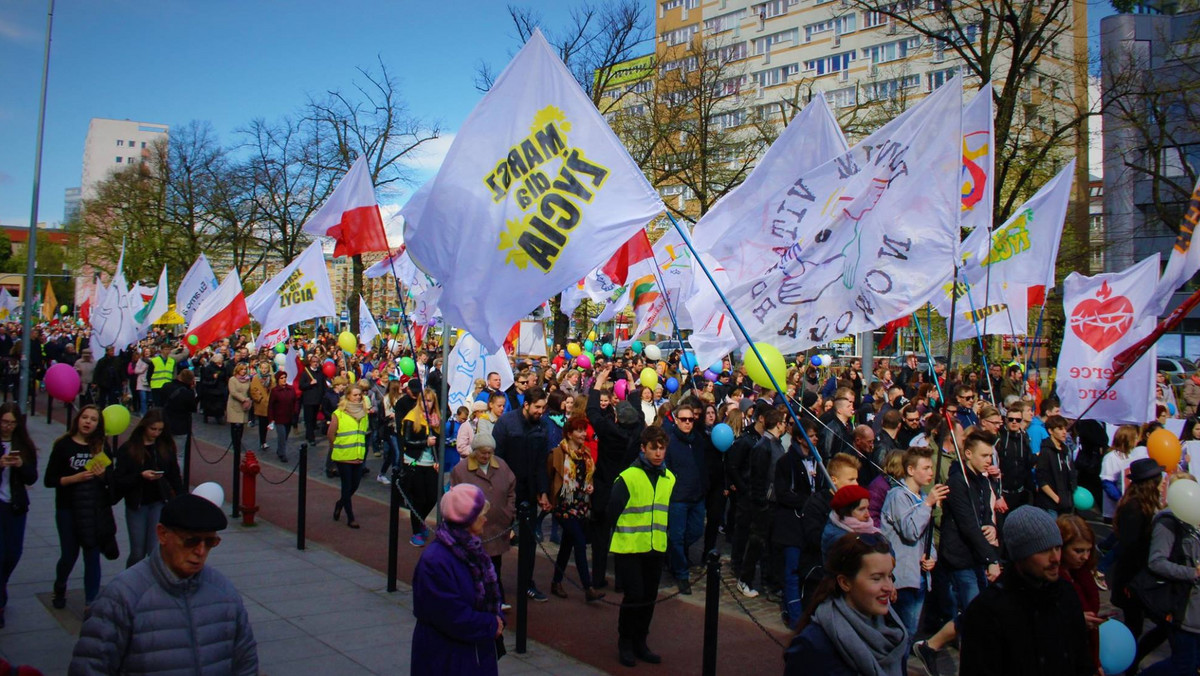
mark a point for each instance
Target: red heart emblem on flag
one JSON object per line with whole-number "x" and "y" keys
{"x": 1102, "y": 321}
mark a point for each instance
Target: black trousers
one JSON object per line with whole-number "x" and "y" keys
{"x": 420, "y": 482}
{"x": 310, "y": 422}
{"x": 743, "y": 514}
{"x": 714, "y": 513}
{"x": 350, "y": 474}
{"x": 497, "y": 562}
{"x": 640, "y": 575}
{"x": 601, "y": 537}
{"x": 756, "y": 546}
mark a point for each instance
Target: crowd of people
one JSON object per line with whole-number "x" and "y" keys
{"x": 875, "y": 508}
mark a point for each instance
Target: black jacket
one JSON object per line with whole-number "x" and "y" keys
{"x": 312, "y": 386}
{"x": 737, "y": 459}
{"x": 793, "y": 487}
{"x": 90, "y": 502}
{"x": 19, "y": 478}
{"x": 686, "y": 460}
{"x": 967, "y": 510}
{"x": 137, "y": 491}
{"x": 179, "y": 403}
{"x": 107, "y": 375}
{"x": 761, "y": 480}
{"x": 617, "y": 446}
{"x": 812, "y": 524}
{"x": 1133, "y": 530}
{"x": 837, "y": 438}
{"x": 1056, "y": 470}
{"x": 524, "y": 445}
{"x": 1017, "y": 626}
{"x": 1015, "y": 459}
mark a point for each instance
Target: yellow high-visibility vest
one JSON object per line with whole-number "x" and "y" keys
{"x": 350, "y": 442}
{"x": 642, "y": 525}
{"x": 164, "y": 371}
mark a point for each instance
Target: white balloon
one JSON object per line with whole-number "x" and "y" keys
{"x": 826, "y": 360}
{"x": 211, "y": 491}
{"x": 280, "y": 360}
{"x": 652, "y": 352}
{"x": 1183, "y": 498}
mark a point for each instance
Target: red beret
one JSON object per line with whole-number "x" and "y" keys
{"x": 848, "y": 495}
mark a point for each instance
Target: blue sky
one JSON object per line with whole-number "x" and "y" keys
{"x": 227, "y": 62}
{"x": 171, "y": 61}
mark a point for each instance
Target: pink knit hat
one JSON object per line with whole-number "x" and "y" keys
{"x": 462, "y": 504}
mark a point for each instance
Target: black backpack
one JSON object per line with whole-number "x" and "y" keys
{"x": 1165, "y": 601}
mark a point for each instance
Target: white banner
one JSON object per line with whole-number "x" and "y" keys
{"x": 534, "y": 193}
{"x": 299, "y": 292}
{"x": 367, "y": 328}
{"x": 997, "y": 319}
{"x": 195, "y": 287}
{"x": 153, "y": 310}
{"x": 531, "y": 339}
{"x": 1102, "y": 314}
{"x": 978, "y": 160}
{"x": 112, "y": 320}
{"x": 426, "y": 311}
{"x": 868, "y": 237}
{"x": 468, "y": 361}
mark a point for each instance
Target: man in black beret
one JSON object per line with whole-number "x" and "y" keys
{"x": 170, "y": 613}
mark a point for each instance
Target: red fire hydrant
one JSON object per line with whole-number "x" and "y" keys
{"x": 250, "y": 470}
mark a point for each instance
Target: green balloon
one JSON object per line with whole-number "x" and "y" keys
{"x": 192, "y": 339}
{"x": 116, "y": 419}
{"x": 407, "y": 366}
{"x": 395, "y": 329}
{"x": 62, "y": 309}
{"x": 280, "y": 348}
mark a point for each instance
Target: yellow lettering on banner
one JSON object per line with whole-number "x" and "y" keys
{"x": 1010, "y": 241}
{"x": 553, "y": 201}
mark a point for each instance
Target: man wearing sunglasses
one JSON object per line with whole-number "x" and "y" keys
{"x": 170, "y": 613}
{"x": 1015, "y": 457}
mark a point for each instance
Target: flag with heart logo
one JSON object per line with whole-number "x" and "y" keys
{"x": 1103, "y": 315}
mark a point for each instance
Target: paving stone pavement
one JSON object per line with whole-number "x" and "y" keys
{"x": 313, "y": 611}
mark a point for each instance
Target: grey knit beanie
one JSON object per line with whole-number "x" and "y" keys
{"x": 1029, "y": 530}
{"x": 482, "y": 440}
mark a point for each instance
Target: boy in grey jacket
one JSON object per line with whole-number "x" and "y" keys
{"x": 906, "y": 519}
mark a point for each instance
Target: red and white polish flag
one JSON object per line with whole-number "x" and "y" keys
{"x": 219, "y": 316}
{"x": 351, "y": 215}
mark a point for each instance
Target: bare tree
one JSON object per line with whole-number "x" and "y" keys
{"x": 372, "y": 120}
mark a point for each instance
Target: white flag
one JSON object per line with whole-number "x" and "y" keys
{"x": 153, "y": 310}
{"x": 291, "y": 364}
{"x": 978, "y": 160}
{"x": 367, "y": 328}
{"x": 426, "y": 311}
{"x": 866, "y": 237}
{"x": 535, "y": 192}
{"x": 1102, "y": 320}
{"x": 195, "y": 287}
{"x": 299, "y": 292}
{"x": 470, "y": 361}
{"x": 616, "y": 303}
{"x": 7, "y": 304}
{"x": 1009, "y": 318}
{"x": 112, "y": 320}
{"x": 1184, "y": 261}
{"x": 676, "y": 273}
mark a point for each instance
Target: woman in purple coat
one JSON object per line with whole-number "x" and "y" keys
{"x": 456, "y": 597}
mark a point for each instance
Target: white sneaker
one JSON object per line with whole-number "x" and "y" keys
{"x": 746, "y": 590}
{"x": 383, "y": 480}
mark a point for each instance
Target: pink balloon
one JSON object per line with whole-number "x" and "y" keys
{"x": 62, "y": 382}
{"x": 583, "y": 361}
{"x": 619, "y": 388}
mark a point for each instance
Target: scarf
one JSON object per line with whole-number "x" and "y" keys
{"x": 244, "y": 379}
{"x": 1196, "y": 379}
{"x": 469, "y": 549}
{"x": 872, "y": 646}
{"x": 852, "y": 525}
{"x": 417, "y": 417}
{"x": 573, "y": 462}
{"x": 355, "y": 409}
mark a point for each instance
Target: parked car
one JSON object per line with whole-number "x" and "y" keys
{"x": 1176, "y": 368}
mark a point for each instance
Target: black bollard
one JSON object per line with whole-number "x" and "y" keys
{"x": 393, "y": 529}
{"x": 525, "y": 554}
{"x": 49, "y": 408}
{"x": 302, "y": 497}
{"x": 187, "y": 461}
{"x": 237, "y": 485}
{"x": 70, "y": 413}
{"x": 712, "y": 610}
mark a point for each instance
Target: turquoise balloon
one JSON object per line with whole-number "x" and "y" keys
{"x": 636, "y": 346}
{"x": 588, "y": 345}
{"x": 1083, "y": 498}
{"x": 1117, "y": 647}
{"x": 607, "y": 349}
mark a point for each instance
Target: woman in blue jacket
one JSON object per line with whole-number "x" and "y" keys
{"x": 850, "y": 628}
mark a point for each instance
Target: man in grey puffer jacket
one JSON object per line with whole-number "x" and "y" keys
{"x": 170, "y": 613}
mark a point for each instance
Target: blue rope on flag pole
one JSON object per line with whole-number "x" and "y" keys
{"x": 979, "y": 339}
{"x": 666, "y": 301}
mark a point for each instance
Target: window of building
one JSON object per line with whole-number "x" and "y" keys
{"x": 842, "y": 98}
{"x": 839, "y": 25}
{"x": 890, "y": 89}
{"x": 937, "y": 78}
{"x": 830, "y": 64}
{"x": 874, "y": 18}
{"x": 730, "y": 53}
{"x": 680, "y": 36}
{"x": 120, "y": 143}
{"x": 120, "y": 159}
{"x": 130, "y": 160}
{"x": 770, "y": 77}
{"x": 770, "y": 10}
{"x": 724, "y": 22}
{"x": 143, "y": 144}
{"x": 892, "y": 51}
{"x": 726, "y": 120}
{"x": 671, "y": 4}
{"x": 763, "y": 45}
{"x": 731, "y": 86}
{"x": 132, "y": 144}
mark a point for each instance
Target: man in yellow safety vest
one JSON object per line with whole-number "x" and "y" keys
{"x": 639, "y": 505}
{"x": 162, "y": 371}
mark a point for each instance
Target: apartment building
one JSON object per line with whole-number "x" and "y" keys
{"x": 112, "y": 145}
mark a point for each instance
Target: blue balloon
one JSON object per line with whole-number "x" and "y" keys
{"x": 672, "y": 385}
{"x": 722, "y": 437}
{"x": 815, "y": 361}
{"x": 1117, "y": 647}
{"x": 688, "y": 360}
{"x": 710, "y": 376}
{"x": 717, "y": 366}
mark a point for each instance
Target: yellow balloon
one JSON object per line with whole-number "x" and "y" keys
{"x": 591, "y": 335}
{"x": 573, "y": 349}
{"x": 775, "y": 365}
{"x": 648, "y": 378}
{"x": 347, "y": 341}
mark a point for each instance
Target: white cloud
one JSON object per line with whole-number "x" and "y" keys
{"x": 427, "y": 158}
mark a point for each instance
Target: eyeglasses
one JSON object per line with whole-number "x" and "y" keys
{"x": 992, "y": 421}
{"x": 1015, "y": 420}
{"x": 194, "y": 541}
{"x": 967, "y": 397}
{"x": 912, "y": 420}
{"x": 685, "y": 420}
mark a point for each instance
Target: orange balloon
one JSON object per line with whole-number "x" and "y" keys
{"x": 1164, "y": 447}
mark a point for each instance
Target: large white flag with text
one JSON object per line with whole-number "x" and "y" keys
{"x": 535, "y": 192}
{"x": 195, "y": 287}
{"x": 865, "y": 238}
{"x": 299, "y": 292}
{"x": 1102, "y": 315}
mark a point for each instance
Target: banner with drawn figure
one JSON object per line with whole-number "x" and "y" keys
{"x": 469, "y": 361}
{"x": 535, "y": 192}
{"x": 426, "y": 311}
{"x": 866, "y": 237}
{"x": 676, "y": 274}
{"x": 978, "y": 160}
{"x": 197, "y": 284}
{"x": 1102, "y": 314}
{"x": 112, "y": 319}
{"x": 367, "y": 328}
{"x": 1184, "y": 261}
{"x": 298, "y": 293}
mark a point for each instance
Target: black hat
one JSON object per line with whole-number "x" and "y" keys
{"x": 1144, "y": 469}
{"x": 193, "y": 513}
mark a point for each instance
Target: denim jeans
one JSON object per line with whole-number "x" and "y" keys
{"x": 573, "y": 540}
{"x": 965, "y": 585}
{"x": 1184, "y": 659}
{"x": 141, "y": 524}
{"x": 12, "y": 542}
{"x": 791, "y": 585}
{"x": 69, "y": 547}
{"x": 143, "y": 399}
{"x": 685, "y": 525}
{"x": 281, "y": 437}
{"x": 391, "y": 452}
{"x": 908, "y": 606}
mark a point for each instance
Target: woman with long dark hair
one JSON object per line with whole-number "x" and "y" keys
{"x": 18, "y": 469}
{"x": 1133, "y": 525}
{"x": 146, "y": 473}
{"x": 850, "y": 627}
{"x": 78, "y": 472}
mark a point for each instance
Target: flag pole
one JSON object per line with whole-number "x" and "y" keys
{"x": 1031, "y": 346}
{"x": 31, "y": 250}
{"x": 979, "y": 338}
{"x": 687, "y": 240}
{"x": 666, "y": 301}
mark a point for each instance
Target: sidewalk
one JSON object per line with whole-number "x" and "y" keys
{"x": 313, "y": 611}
